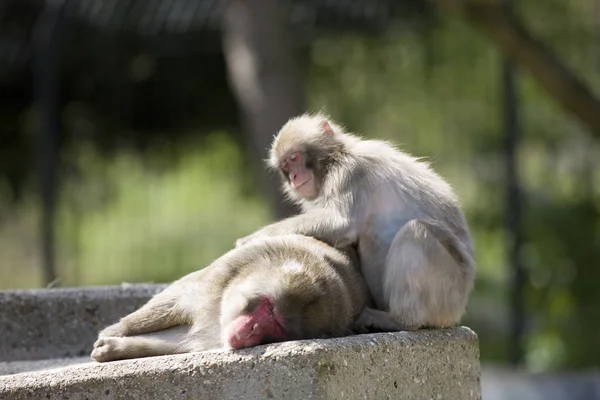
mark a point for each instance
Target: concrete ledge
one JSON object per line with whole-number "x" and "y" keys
{"x": 57, "y": 323}
{"x": 52, "y": 331}
{"x": 435, "y": 364}
{"x": 16, "y": 367}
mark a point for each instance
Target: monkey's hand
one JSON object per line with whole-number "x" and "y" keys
{"x": 283, "y": 227}
{"x": 244, "y": 240}
{"x": 107, "y": 349}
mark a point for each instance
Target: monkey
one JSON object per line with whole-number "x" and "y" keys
{"x": 414, "y": 245}
{"x": 275, "y": 289}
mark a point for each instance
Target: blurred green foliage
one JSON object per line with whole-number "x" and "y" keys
{"x": 140, "y": 218}
{"x": 445, "y": 105}
{"x": 154, "y": 215}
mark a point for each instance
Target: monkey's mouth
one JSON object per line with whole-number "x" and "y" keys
{"x": 297, "y": 186}
{"x": 256, "y": 335}
{"x": 263, "y": 325}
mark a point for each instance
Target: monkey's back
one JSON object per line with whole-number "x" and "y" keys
{"x": 385, "y": 170}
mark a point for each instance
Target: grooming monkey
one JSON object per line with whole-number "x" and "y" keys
{"x": 414, "y": 244}
{"x": 274, "y": 289}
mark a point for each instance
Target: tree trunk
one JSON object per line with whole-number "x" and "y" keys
{"x": 507, "y": 32}
{"x": 46, "y": 71}
{"x": 266, "y": 79}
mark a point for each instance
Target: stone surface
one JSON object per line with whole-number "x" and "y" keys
{"x": 50, "y": 334}
{"x": 55, "y": 323}
{"x": 15, "y": 367}
{"x": 434, "y": 364}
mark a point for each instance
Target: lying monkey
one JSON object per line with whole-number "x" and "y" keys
{"x": 274, "y": 289}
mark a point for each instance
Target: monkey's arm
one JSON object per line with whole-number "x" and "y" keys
{"x": 162, "y": 311}
{"x": 155, "y": 344}
{"x": 328, "y": 226}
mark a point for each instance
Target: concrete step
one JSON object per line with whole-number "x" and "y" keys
{"x": 47, "y": 336}
{"x": 15, "y": 367}
{"x": 436, "y": 364}
{"x": 63, "y": 323}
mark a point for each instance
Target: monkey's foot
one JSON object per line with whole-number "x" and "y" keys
{"x": 371, "y": 319}
{"x": 359, "y": 329}
{"x": 108, "y": 349}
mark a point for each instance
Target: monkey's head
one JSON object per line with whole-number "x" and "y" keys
{"x": 303, "y": 151}
{"x": 257, "y": 323}
{"x": 286, "y": 305}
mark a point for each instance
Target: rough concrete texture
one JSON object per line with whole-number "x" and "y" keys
{"x": 434, "y": 364}
{"x": 15, "y": 367}
{"x": 55, "y": 323}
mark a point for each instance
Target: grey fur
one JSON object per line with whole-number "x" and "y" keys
{"x": 413, "y": 240}
{"x": 320, "y": 296}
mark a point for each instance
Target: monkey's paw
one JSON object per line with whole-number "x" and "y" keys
{"x": 107, "y": 349}
{"x": 243, "y": 241}
{"x": 359, "y": 329}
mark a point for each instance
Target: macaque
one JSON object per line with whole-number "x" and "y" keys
{"x": 275, "y": 289}
{"x": 414, "y": 245}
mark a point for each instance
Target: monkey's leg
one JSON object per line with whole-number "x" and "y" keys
{"x": 371, "y": 318}
{"x": 161, "y": 312}
{"x": 424, "y": 285}
{"x": 156, "y": 344}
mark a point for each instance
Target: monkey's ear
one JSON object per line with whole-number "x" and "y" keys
{"x": 324, "y": 125}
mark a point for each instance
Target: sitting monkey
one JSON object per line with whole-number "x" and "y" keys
{"x": 414, "y": 244}
{"x": 279, "y": 288}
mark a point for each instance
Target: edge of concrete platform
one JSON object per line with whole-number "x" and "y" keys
{"x": 425, "y": 364}
{"x": 56, "y": 323}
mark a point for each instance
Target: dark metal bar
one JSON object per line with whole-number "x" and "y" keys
{"x": 46, "y": 71}
{"x": 510, "y": 105}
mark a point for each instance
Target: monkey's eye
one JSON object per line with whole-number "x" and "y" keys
{"x": 294, "y": 157}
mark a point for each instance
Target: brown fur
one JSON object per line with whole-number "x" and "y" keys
{"x": 321, "y": 298}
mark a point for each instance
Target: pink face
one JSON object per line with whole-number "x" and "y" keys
{"x": 264, "y": 325}
{"x": 301, "y": 178}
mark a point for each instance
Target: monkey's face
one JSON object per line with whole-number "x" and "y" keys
{"x": 258, "y": 323}
{"x": 302, "y": 152}
{"x": 297, "y": 172}
{"x": 289, "y": 306}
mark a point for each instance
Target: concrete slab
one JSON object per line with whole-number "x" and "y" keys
{"x": 427, "y": 364}
{"x": 15, "y": 367}
{"x": 62, "y": 323}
